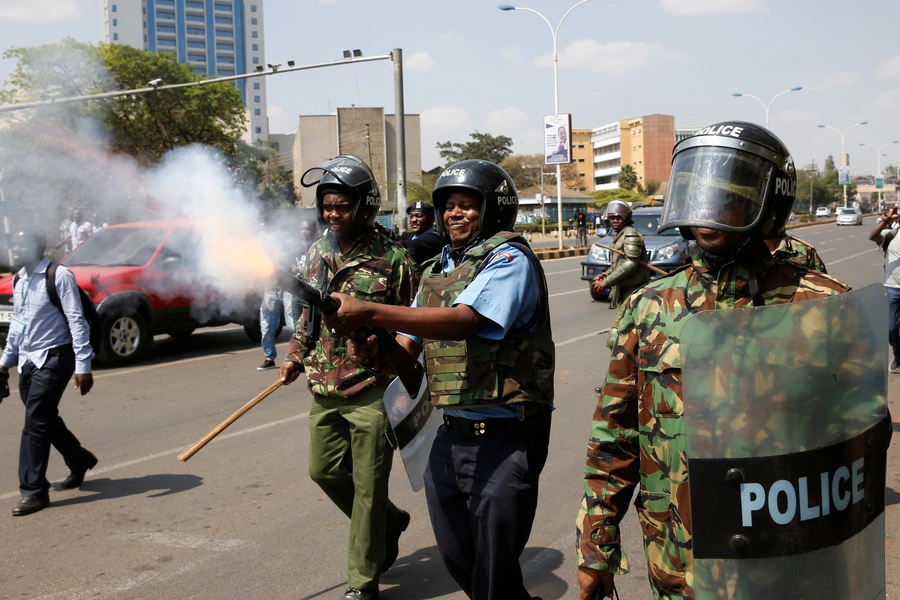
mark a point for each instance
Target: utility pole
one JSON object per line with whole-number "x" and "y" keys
{"x": 812, "y": 176}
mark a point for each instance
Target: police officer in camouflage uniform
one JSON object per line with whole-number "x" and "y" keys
{"x": 349, "y": 453}
{"x": 732, "y": 186}
{"x": 482, "y": 318}
{"x": 789, "y": 247}
{"x": 625, "y": 273}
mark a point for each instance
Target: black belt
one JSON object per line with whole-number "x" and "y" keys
{"x": 60, "y": 349}
{"x": 534, "y": 425}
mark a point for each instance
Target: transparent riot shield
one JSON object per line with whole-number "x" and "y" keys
{"x": 415, "y": 423}
{"x": 787, "y": 429}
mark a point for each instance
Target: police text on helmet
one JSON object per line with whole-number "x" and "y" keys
{"x": 452, "y": 172}
{"x": 721, "y": 130}
{"x": 785, "y": 187}
{"x": 345, "y": 170}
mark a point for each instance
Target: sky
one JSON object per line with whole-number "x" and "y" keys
{"x": 469, "y": 66}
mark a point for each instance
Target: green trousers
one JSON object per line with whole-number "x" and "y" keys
{"x": 350, "y": 459}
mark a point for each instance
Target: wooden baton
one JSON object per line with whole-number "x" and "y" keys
{"x": 224, "y": 424}
{"x": 640, "y": 262}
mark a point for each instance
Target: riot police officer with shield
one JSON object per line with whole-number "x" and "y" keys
{"x": 732, "y": 187}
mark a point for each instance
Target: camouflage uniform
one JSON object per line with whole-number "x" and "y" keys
{"x": 637, "y": 434}
{"x": 798, "y": 251}
{"x": 349, "y": 455}
{"x": 625, "y": 274}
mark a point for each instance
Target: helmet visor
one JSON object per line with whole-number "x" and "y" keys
{"x": 718, "y": 188}
{"x": 341, "y": 168}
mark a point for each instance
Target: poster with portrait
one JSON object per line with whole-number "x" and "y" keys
{"x": 557, "y": 139}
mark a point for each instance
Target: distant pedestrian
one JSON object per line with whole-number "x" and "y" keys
{"x": 49, "y": 343}
{"x": 421, "y": 240}
{"x": 79, "y": 230}
{"x": 889, "y": 242}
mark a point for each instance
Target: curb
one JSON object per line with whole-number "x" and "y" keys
{"x": 546, "y": 254}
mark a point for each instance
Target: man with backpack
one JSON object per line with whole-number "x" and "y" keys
{"x": 49, "y": 340}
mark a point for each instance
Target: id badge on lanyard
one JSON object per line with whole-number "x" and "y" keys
{"x": 17, "y": 324}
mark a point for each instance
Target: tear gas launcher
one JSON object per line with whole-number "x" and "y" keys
{"x": 409, "y": 371}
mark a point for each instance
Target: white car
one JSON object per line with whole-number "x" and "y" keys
{"x": 849, "y": 215}
{"x": 823, "y": 211}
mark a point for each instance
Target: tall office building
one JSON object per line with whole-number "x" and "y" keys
{"x": 215, "y": 37}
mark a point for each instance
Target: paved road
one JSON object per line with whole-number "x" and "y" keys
{"x": 242, "y": 520}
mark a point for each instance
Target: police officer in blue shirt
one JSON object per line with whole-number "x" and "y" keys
{"x": 421, "y": 239}
{"x": 482, "y": 318}
{"x": 48, "y": 344}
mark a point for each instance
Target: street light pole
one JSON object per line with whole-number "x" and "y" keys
{"x": 878, "y": 162}
{"x": 766, "y": 106}
{"x": 554, "y": 33}
{"x": 844, "y": 156}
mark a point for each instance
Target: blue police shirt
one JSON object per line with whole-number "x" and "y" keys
{"x": 506, "y": 292}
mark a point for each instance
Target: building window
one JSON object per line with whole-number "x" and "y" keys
{"x": 253, "y": 21}
{"x": 259, "y": 130}
{"x": 225, "y": 59}
{"x": 224, "y": 21}
{"x": 223, "y": 7}
{"x": 165, "y": 15}
{"x": 198, "y": 45}
{"x": 197, "y": 57}
{"x": 114, "y": 8}
{"x": 190, "y": 4}
{"x": 256, "y": 86}
{"x": 225, "y": 72}
{"x": 252, "y": 8}
{"x": 115, "y": 36}
{"x": 165, "y": 42}
{"x": 193, "y": 31}
{"x": 253, "y": 34}
{"x": 226, "y": 34}
{"x": 165, "y": 29}
{"x": 255, "y": 60}
{"x": 257, "y": 112}
{"x": 255, "y": 47}
{"x": 256, "y": 98}
{"x": 194, "y": 18}
{"x": 115, "y": 22}
{"x": 228, "y": 47}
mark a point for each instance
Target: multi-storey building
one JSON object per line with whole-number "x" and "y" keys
{"x": 583, "y": 159}
{"x": 215, "y": 37}
{"x": 645, "y": 143}
{"x": 368, "y": 133}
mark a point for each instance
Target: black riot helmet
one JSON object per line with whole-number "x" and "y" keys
{"x": 348, "y": 175}
{"x": 499, "y": 199}
{"x": 734, "y": 177}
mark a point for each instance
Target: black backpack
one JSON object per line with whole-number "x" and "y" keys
{"x": 87, "y": 306}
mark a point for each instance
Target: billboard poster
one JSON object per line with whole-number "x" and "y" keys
{"x": 557, "y": 139}
{"x": 843, "y": 175}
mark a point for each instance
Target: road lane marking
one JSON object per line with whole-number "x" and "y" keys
{"x": 567, "y": 293}
{"x": 181, "y": 540}
{"x": 834, "y": 262}
{"x": 128, "y": 463}
{"x": 561, "y": 272}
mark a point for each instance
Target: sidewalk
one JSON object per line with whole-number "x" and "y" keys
{"x": 892, "y": 494}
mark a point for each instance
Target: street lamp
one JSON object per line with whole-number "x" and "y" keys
{"x": 766, "y": 106}
{"x": 896, "y": 175}
{"x": 554, "y": 33}
{"x": 878, "y": 159}
{"x": 844, "y": 156}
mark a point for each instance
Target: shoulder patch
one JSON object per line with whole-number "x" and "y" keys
{"x": 506, "y": 255}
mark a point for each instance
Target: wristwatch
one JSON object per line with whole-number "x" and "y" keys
{"x": 880, "y": 220}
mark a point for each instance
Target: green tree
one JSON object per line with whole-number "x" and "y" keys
{"x": 483, "y": 146}
{"x": 627, "y": 178}
{"x": 419, "y": 192}
{"x": 604, "y": 197}
{"x": 525, "y": 170}
{"x": 829, "y": 164}
{"x": 145, "y": 126}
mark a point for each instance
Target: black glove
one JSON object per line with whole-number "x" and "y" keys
{"x": 4, "y": 384}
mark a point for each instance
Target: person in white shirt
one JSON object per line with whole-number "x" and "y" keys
{"x": 79, "y": 230}
{"x": 48, "y": 343}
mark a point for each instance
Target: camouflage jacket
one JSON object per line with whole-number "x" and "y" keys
{"x": 637, "y": 433}
{"x": 375, "y": 270}
{"x": 476, "y": 371}
{"x": 625, "y": 271}
{"x": 798, "y": 251}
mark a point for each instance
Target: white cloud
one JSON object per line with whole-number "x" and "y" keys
{"x": 887, "y": 101}
{"x": 419, "y": 62}
{"x": 507, "y": 119}
{"x": 442, "y": 119}
{"x": 328, "y": 2}
{"x": 39, "y": 11}
{"x": 616, "y": 58}
{"x": 512, "y": 52}
{"x": 834, "y": 80}
{"x": 447, "y": 36}
{"x": 713, "y": 7}
{"x": 889, "y": 69}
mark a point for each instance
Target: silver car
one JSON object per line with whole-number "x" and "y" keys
{"x": 849, "y": 215}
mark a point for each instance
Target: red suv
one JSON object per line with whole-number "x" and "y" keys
{"x": 143, "y": 279}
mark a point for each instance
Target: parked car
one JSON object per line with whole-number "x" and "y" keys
{"x": 849, "y": 215}
{"x": 143, "y": 279}
{"x": 823, "y": 211}
{"x": 668, "y": 250}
